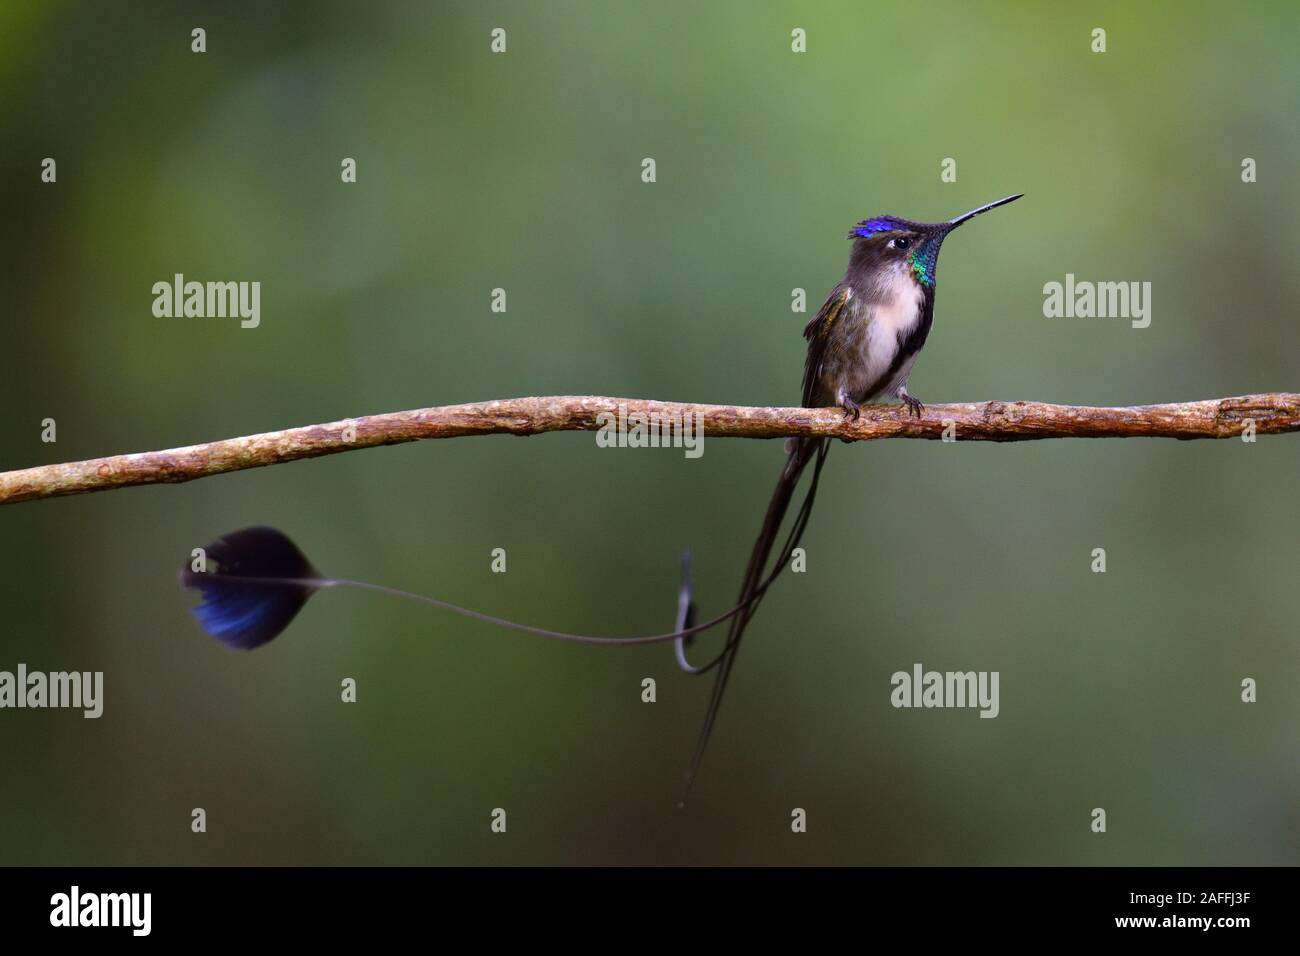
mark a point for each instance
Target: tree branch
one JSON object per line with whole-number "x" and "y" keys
{"x": 983, "y": 421}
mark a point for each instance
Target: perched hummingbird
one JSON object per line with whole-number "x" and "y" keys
{"x": 862, "y": 344}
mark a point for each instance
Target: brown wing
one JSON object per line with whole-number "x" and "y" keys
{"x": 817, "y": 332}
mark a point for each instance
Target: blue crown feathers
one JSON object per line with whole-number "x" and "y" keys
{"x": 869, "y": 227}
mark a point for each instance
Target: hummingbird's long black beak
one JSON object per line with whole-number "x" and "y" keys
{"x": 954, "y": 223}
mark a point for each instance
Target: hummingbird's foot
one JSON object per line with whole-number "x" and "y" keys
{"x": 914, "y": 406}
{"x": 846, "y": 402}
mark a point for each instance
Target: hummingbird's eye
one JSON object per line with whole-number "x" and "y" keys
{"x": 900, "y": 242}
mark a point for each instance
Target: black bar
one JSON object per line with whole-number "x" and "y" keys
{"x": 333, "y": 904}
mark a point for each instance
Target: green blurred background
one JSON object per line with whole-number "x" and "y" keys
{"x": 522, "y": 171}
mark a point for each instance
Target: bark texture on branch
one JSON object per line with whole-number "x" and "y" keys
{"x": 1270, "y": 413}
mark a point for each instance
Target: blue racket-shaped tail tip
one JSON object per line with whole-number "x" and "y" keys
{"x": 254, "y": 583}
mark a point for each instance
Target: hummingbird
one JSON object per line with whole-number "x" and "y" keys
{"x": 862, "y": 344}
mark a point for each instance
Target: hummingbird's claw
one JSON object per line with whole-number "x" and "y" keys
{"x": 851, "y": 408}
